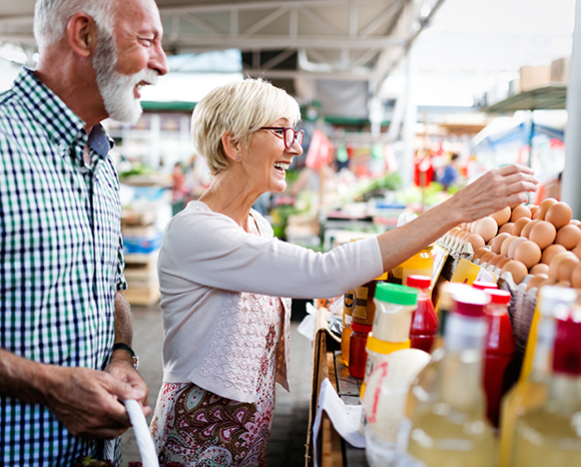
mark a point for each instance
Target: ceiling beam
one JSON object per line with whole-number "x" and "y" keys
{"x": 271, "y": 42}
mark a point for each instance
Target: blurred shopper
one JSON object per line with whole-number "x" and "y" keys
{"x": 61, "y": 376}
{"x": 222, "y": 276}
{"x": 451, "y": 172}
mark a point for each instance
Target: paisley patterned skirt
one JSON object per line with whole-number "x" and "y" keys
{"x": 198, "y": 428}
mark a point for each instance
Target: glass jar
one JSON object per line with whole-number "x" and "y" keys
{"x": 346, "y": 332}
{"x": 357, "y": 352}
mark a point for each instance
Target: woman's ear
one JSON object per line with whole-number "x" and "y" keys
{"x": 232, "y": 147}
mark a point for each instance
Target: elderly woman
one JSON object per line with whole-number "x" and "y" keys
{"x": 222, "y": 275}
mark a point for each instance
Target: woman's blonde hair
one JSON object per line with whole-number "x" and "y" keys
{"x": 239, "y": 108}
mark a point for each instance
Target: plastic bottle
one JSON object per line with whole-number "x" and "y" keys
{"x": 550, "y": 435}
{"x": 394, "y": 306}
{"x": 425, "y": 322}
{"x": 357, "y": 352}
{"x": 421, "y": 263}
{"x": 500, "y": 348}
{"x": 531, "y": 390}
{"x": 346, "y": 331}
{"x": 448, "y": 426}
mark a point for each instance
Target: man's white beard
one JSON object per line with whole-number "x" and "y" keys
{"x": 117, "y": 89}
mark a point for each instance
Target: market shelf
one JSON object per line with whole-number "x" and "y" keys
{"x": 548, "y": 97}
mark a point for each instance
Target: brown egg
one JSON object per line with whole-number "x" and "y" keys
{"x": 525, "y": 232}
{"x": 569, "y": 236}
{"x": 556, "y": 263}
{"x": 566, "y": 268}
{"x": 543, "y": 207}
{"x": 550, "y": 252}
{"x": 502, "y": 262}
{"x": 506, "y": 228}
{"x": 486, "y": 257}
{"x": 528, "y": 253}
{"x": 519, "y": 225}
{"x": 478, "y": 253}
{"x": 487, "y": 228}
{"x": 577, "y": 251}
{"x": 473, "y": 226}
{"x": 477, "y": 242}
{"x": 563, "y": 284}
{"x": 503, "y": 216}
{"x": 546, "y": 282}
{"x": 533, "y": 208}
{"x": 535, "y": 281}
{"x": 506, "y": 244}
{"x": 519, "y": 212}
{"x": 543, "y": 234}
{"x": 514, "y": 245}
{"x": 495, "y": 260}
{"x": 517, "y": 269}
{"x": 497, "y": 242}
{"x": 540, "y": 269}
{"x": 576, "y": 222}
{"x": 559, "y": 214}
{"x": 576, "y": 276}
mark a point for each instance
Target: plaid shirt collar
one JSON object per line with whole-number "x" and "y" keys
{"x": 62, "y": 125}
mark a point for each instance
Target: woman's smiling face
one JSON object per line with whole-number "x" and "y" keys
{"x": 266, "y": 159}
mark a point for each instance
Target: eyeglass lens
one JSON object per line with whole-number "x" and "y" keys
{"x": 290, "y": 135}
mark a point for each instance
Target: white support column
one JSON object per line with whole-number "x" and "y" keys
{"x": 409, "y": 125}
{"x": 571, "y": 188}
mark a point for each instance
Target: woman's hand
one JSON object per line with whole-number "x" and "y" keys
{"x": 494, "y": 191}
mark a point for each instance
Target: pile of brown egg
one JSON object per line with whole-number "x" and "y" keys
{"x": 539, "y": 240}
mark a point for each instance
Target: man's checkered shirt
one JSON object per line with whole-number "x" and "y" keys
{"x": 61, "y": 259}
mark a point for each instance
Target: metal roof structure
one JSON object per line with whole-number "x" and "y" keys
{"x": 297, "y": 44}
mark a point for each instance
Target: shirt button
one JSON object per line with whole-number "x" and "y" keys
{"x": 83, "y": 170}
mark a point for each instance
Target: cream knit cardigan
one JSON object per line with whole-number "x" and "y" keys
{"x": 217, "y": 284}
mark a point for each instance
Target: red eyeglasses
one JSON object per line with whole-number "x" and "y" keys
{"x": 289, "y": 133}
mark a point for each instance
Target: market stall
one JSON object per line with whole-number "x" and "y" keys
{"x": 512, "y": 282}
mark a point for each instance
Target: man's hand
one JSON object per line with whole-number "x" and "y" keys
{"x": 87, "y": 401}
{"x": 121, "y": 368}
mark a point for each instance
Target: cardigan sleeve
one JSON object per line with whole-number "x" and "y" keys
{"x": 209, "y": 249}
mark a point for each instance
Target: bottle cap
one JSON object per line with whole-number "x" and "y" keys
{"x": 361, "y": 327}
{"x": 567, "y": 354}
{"x": 499, "y": 296}
{"x": 470, "y": 301}
{"x": 483, "y": 285}
{"x": 553, "y": 296}
{"x": 397, "y": 294}
{"x": 419, "y": 282}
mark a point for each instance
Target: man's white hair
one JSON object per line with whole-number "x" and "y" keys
{"x": 51, "y": 17}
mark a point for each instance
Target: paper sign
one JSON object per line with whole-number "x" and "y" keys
{"x": 345, "y": 418}
{"x": 467, "y": 272}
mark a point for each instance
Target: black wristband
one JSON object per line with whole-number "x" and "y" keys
{"x": 129, "y": 350}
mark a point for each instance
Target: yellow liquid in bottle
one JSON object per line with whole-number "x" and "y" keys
{"x": 544, "y": 439}
{"x": 525, "y": 396}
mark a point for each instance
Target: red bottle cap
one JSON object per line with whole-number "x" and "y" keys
{"x": 567, "y": 355}
{"x": 499, "y": 296}
{"x": 470, "y": 302}
{"x": 483, "y": 285}
{"x": 361, "y": 328}
{"x": 419, "y": 282}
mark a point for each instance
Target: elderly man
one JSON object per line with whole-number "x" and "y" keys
{"x": 65, "y": 327}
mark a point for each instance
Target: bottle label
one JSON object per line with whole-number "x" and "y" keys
{"x": 360, "y": 303}
{"x": 348, "y": 319}
{"x": 348, "y": 303}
